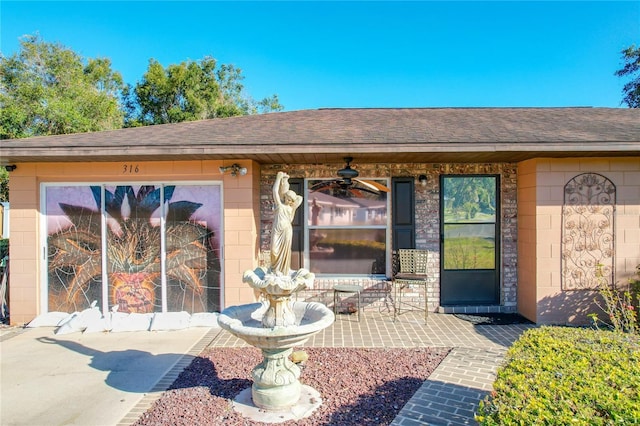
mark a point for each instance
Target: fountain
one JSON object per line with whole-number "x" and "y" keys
{"x": 278, "y": 325}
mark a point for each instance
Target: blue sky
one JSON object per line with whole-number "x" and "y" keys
{"x": 359, "y": 54}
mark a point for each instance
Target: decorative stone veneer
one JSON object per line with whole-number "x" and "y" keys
{"x": 427, "y": 206}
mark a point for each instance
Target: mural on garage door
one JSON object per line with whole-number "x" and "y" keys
{"x": 144, "y": 248}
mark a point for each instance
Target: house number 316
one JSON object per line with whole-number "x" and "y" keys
{"x": 130, "y": 168}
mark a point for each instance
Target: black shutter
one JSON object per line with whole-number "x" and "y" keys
{"x": 403, "y": 213}
{"x": 297, "y": 242}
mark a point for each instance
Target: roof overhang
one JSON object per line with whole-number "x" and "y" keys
{"x": 301, "y": 155}
{"x": 369, "y": 135}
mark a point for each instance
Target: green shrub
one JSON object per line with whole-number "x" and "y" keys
{"x": 567, "y": 376}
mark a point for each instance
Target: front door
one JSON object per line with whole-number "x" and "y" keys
{"x": 469, "y": 240}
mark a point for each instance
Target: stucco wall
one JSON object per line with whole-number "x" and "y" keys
{"x": 541, "y": 282}
{"x": 24, "y": 246}
{"x": 240, "y": 222}
{"x": 241, "y": 225}
{"x": 527, "y": 272}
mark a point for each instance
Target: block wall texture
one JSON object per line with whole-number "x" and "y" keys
{"x": 555, "y": 306}
{"x": 241, "y": 219}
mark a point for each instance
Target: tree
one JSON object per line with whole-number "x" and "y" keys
{"x": 191, "y": 90}
{"x": 631, "y": 68}
{"x": 47, "y": 89}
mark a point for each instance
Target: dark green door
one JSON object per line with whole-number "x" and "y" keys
{"x": 469, "y": 240}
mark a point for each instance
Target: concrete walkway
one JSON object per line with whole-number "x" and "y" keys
{"x": 112, "y": 378}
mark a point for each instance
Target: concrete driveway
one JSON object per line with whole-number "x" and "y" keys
{"x": 84, "y": 379}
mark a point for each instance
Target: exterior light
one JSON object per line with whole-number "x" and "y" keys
{"x": 423, "y": 180}
{"x": 235, "y": 170}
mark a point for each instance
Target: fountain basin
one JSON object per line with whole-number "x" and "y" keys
{"x": 275, "y": 380}
{"x": 245, "y": 322}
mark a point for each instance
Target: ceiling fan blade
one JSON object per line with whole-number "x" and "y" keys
{"x": 324, "y": 184}
{"x": 338, "y": 187}
{"x": 373, "y": 185}
{"x": 348, "y": 186}
{"x": 366, "y": 184}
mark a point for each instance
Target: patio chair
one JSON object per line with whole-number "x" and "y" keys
{"x": 411, "y": 273}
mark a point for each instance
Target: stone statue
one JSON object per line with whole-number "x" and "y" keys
{"x": 278, "y": 281}
{"x": 283, "y": 324}
{"x": 287, "y": 202}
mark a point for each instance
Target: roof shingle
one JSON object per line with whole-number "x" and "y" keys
{"x": 326, "y": 134}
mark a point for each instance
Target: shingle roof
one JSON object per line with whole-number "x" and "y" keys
{"x": 383, "y": 134}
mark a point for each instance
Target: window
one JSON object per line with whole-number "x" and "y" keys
{"x": 346, "y": 229}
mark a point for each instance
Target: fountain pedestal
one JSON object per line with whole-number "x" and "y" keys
{"x": 279, "y": 313}
{"x": 275, "y": 381}
{"x": 276, "y": 386}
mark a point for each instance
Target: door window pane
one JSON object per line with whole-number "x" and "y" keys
{"x": 469, "y": 246}
{"x": 469, "y": 199}
{"x": 469, "y": 215}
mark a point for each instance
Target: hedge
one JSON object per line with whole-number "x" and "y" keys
{"x": 567, "y": 376}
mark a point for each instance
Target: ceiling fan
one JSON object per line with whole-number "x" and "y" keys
{"x": 348, "y": 183}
